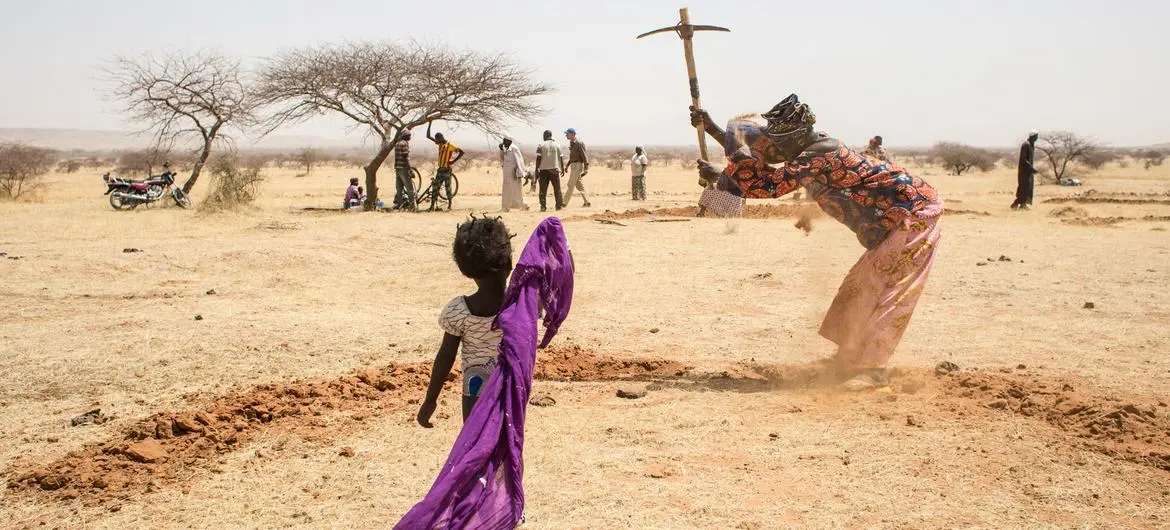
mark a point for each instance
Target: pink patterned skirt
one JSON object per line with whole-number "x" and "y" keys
{"x": 875, "y": 302}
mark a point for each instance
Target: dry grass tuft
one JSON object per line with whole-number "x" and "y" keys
{"x": 232, "y": 186}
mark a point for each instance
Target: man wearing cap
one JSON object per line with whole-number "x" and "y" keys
{"x": 578, "y": 167}
{"x": 512, "y": 161}
{"x": 1026, "y": 173}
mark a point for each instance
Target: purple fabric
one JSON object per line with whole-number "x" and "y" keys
{"x": 481, "y": 485}
{"x": 352, "y": 194}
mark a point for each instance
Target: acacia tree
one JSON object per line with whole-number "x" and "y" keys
{"x": 1150, "y": 157}
{"x": 142, "y": 161}
{"x": 183, "y": 97}
{"x": 1066, "y": 153}
{"x": 309, "y": 157}
{"x": 21, "y": 166}
{"x": 957, "y": 158}
{"x": 388, "y": 89}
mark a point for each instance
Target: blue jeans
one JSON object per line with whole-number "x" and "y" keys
{"x": 403, "y": 188}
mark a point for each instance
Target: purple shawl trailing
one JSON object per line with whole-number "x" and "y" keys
{"x": 481, "y": 484}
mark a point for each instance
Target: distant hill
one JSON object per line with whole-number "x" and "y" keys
{"x": 96, "y": 140}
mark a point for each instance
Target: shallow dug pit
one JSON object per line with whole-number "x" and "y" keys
{"x": 1106, "y": 200}
{"x": 1111, "y": 221}
{"x": 574, "y": 363}
{"x": 1131, "y": 428}
{"x": 1068, "y": 212}
{"x": 751, "y": 211}
{"x": 162, "y": 449}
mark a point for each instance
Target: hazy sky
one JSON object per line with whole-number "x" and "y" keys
{"x": 914, "y": 71}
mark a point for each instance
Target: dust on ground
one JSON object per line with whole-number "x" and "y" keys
{"x": 710, "y": 326}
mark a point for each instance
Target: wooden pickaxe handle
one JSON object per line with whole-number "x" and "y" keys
{"x": 689, "y": 51}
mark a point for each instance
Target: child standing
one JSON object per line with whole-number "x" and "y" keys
{"x": 483, "y": 252}
{"x": 481, "y": 485}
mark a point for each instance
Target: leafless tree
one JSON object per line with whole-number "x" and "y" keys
{"x": 21, "y": 166}
{"x": 1097, "y": 159}
{"x": 142, "y": 161}
{"x": 71, "y": 165}
{"x": 958, "y": 158}
{"x": 309, "y": 157}
{"x": 388, "y": 88}
{"x": 183, "y": 97}
{"x": 1065, "y": 153}
{"x": 1150, "y": 157}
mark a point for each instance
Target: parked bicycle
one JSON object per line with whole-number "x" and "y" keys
{"x": 437, "y": 190}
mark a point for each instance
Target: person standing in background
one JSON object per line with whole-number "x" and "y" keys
{"x": 512, "y": 187}
{"x": 404, "y": 197}
{"x": 550, "y": 163}
{"x": 1026, "y": 173}
{"x": 578, "y": 168}
{"x": 638, "y": 166}
{"x": 449, "y": 154}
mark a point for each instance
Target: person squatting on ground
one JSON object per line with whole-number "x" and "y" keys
{"x": 638, "y": 165}
{"x": 512, "y": 187}
{"x": 578, "y": 168}
{"x": 1026, "y": 173}
{"x": 404, "y": 198}
{"x": 894, "y": 215}
{"x": 481, "y": 484}
{"x": 449, "y": 154}
{"x": 353, "y": 194}
{"x": 550, "y": 163}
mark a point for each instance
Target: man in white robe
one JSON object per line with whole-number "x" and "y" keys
{"x": 512, "y": 160}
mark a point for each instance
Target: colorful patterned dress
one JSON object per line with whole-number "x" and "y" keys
{"x": 894, "y": 215}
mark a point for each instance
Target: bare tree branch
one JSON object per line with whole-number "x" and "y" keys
{"x": 1065, "y": 153}
{"x": 182, "y": 98}
{"x": 21, "y": 167}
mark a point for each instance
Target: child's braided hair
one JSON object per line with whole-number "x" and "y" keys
{"x": 483, "y": 247}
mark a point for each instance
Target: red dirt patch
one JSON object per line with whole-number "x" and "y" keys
{"x": 573, "y": 363}
{"x": 1132, "y": 428}
{"x": 161, "y": 449}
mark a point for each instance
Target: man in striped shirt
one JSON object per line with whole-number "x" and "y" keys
{"x": 403, "y": 181}
{"x": 449, "y": 154}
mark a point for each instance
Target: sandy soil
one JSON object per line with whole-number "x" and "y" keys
{"x": 262, "y": 368}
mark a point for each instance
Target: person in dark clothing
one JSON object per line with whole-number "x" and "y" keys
{"x": 1026, "y": 176}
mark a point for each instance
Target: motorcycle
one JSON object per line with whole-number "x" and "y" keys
{"x": 126, "y": 194}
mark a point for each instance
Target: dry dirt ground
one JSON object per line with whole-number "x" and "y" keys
{"x": 262, "y": 368}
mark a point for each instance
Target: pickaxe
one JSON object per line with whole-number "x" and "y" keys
{"x": 686, "y": 31}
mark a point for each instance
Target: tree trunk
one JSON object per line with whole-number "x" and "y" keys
{"x": 198, "y": 168}
{"x": 372, "y": 175}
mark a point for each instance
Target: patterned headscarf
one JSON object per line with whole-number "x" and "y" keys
{"x": 789, "y": 121}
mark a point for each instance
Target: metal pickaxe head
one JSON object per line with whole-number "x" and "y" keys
{"x": 684, "y": 28}
{"x": 684, "y": 31}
